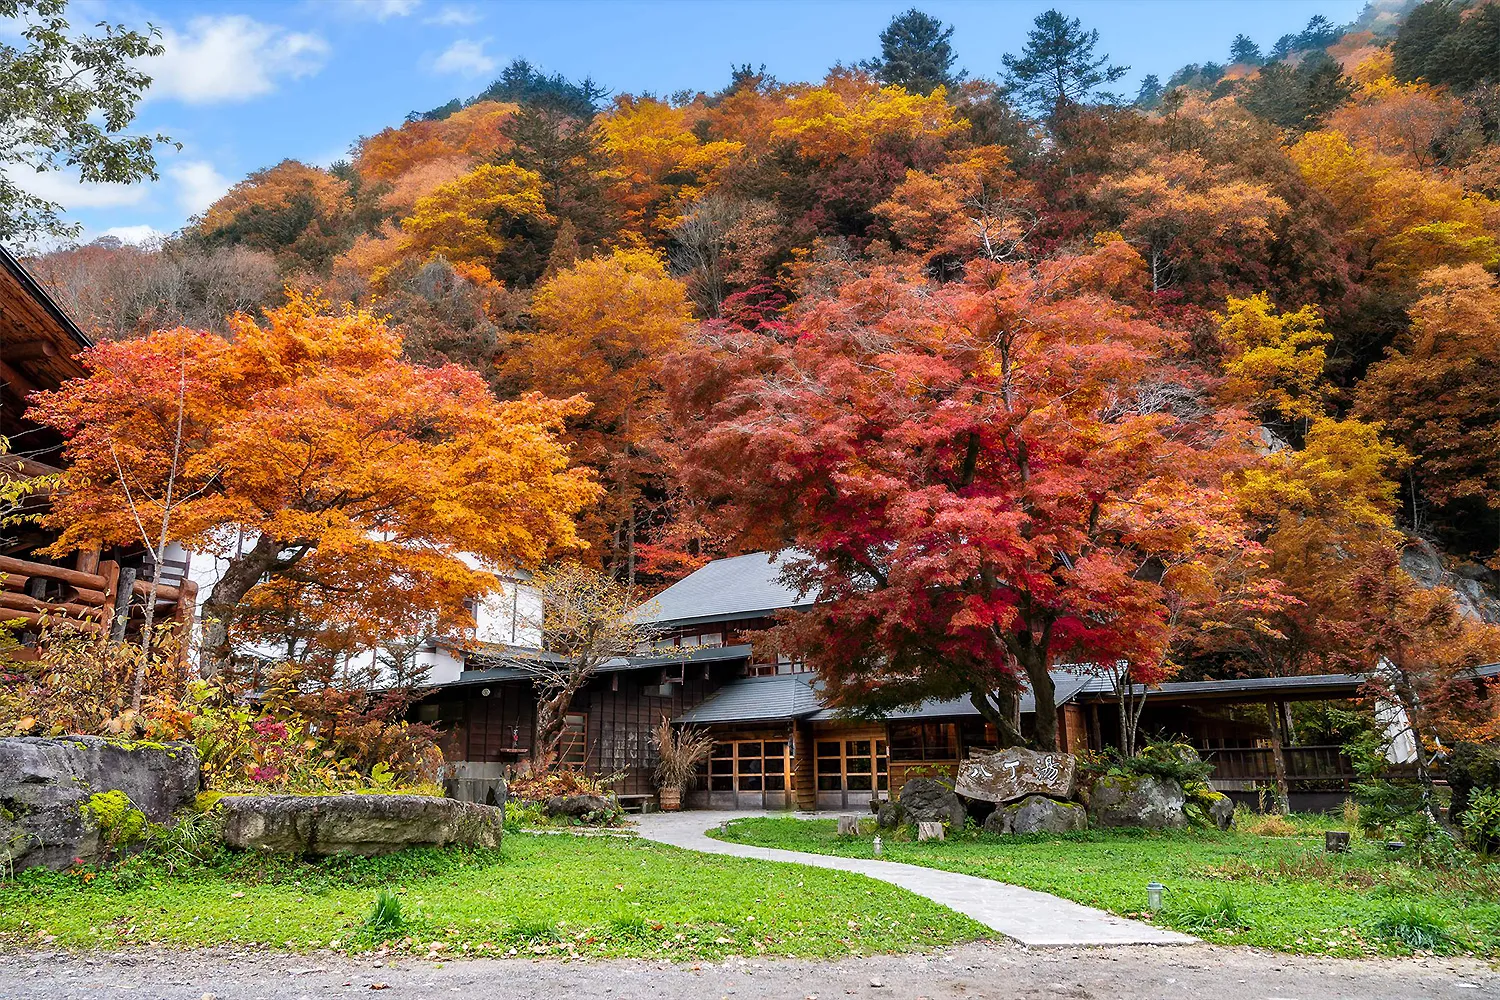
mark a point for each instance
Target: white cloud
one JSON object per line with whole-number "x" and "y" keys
{"x": 64, "y": 188}
{"x": 455, "y": 17}
{"x": 135, "y": 235}
{"x": 382, "y": 10}
{"x": 231, "y": 58}
{"x": 199, "y": 185}
{"x": 466, "y": 58}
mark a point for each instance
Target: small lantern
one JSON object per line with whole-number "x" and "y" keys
{"x": 1153, "y": 896}
{"x": 877, "y": 845}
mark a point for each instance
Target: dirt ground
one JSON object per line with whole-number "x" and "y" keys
{"x": 989, "y": 971}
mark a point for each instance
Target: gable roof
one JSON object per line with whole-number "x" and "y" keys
{"x": 747, "y": 586}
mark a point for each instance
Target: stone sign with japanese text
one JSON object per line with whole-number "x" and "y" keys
{"x": 1012, "y": 774}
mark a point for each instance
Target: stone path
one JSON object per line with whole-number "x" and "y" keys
{"x": 1036, "y": 919}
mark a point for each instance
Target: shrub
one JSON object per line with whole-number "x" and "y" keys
{"x": 1223, "y": 913}
{"x": 539, "y": 786}
{"x": 386, "y": 919}
{"x": 1481, "y": 821}
{"x": 1175, "y": 761}
{"x": 1414, "y": 925}
{"x": 1472, "y": 768}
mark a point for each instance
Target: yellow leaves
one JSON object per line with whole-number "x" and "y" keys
{"x": 465, "y": 220}
{"x": 657, "y": 163}
{"x": 826, "y": 124}
{"x": 1411, "y": 219}
{"x": 1342, "y": 479}
{"x": 473, "y": 133}
{"x": 1274, "y": 363}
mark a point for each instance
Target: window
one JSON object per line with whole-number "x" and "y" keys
{"x": 748, "y": 766}
{"x": 575, "y": 741}
{"x": 915, "y": 741}
{"x": 853, "y": 765}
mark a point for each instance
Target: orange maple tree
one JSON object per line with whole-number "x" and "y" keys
{"x": 315, "y": 460}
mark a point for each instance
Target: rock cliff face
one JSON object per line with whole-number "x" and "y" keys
{"x": 48, "y": 788}
{"x": 1476, "y": 586}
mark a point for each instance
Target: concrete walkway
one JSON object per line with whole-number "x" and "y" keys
{"x": 1036, "y": 919}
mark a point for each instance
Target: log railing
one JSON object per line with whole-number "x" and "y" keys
{"x": 97, "y": 594}
{"x": 1312, "y": 768}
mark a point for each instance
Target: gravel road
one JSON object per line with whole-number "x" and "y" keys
{"x": 990, "y": 971}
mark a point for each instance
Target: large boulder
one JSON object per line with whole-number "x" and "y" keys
{"x": 580, "y": 806}
{"x": 73, "y": 797}
{"x": 888, "y": 816}
{"x": 1211, "y": 808}
{"x": 1012, "y": 774}
{"x": 320, "y": 825}
{"x": 927, "y": 800}
{"x": 1137, "y": 800}
{"x": 1037, "y": 814}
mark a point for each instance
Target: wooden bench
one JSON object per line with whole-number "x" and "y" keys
{"x": 639, "y": 803}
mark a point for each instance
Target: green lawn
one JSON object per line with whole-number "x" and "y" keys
{"x": 554, "y": 895}
{"x": 1286, "y": 893}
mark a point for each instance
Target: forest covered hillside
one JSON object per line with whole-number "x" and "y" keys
{"x": 825, "y": 312}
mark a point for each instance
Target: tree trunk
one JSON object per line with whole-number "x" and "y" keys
{"x": 1042, "y": 690}
{"x": 1001, "y": 708}
{"x": 1278, "y": 759}
{"x": 244, "y": 572}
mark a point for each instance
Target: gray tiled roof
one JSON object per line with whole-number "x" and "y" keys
{"x": 1066, "y": 684}
{"x": 758, "y": 699}
{"x": 739, "y": 587}
{"x": 498, "y": 662}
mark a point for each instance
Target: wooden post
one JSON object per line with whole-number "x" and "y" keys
{"x": 1096, "y": 734}
{"x": 1278, "y": 757}
{"x": 87, "y": 561}
{"x": 122, "y": 604}
{"x": 182, "y": 619}
{"x": 928, "y": 830}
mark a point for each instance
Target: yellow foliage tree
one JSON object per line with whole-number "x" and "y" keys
{"x": 826, "y": 123}
{"x": 1273, "y": 362}
{"x": 604, "y": 328}
{"x": 658, "y": 165}
{"x": 1409, "y": 220}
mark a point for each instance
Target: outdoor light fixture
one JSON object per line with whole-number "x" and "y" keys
{"x": 1153, "y": 895}
{"x": 877, "y": 845}
{"x": 485, "y": 693}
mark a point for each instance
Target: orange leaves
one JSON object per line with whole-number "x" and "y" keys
{"x": 310, "y": 430}
{"x": 1439, "y": 387}
{"x": 473, "y": 133}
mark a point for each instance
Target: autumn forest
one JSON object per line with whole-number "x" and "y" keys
{"x": 1201, "y": 381}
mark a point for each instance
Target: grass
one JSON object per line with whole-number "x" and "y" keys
{"x": 1235, "y": 887}
{"x": 537, "y": 895}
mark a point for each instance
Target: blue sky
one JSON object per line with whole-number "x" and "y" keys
{"x": 247, "y": 84}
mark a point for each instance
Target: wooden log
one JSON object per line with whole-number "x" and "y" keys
{"x": 164, "y": 593}
{"x": 82, "y": 595}
{"x": 15, "y": 581}
{"x": 27, "y": 603}
{"x": 929, "y": 831}
{"x": 29, "y": 350}
{"x": 92, "y": 581}
{"x": 121, "y": 616}
{"x": 35, "y": 618}
{"x": 87, "y": 561}
{"x": 848, "y": 826}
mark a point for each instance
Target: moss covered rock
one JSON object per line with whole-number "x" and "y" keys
{"x": 1137, "y": 800}
{"x": 320, "y": 825}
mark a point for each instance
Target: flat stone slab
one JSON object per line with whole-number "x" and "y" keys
{"x": 321, "y": 825}
{"x": 1033, "y": 918}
